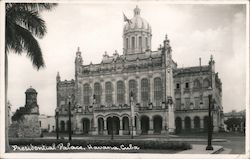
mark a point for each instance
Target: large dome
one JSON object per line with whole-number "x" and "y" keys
{"x": 137, "y": 23}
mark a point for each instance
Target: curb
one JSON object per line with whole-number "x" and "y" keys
{"x": 218, "y": 151}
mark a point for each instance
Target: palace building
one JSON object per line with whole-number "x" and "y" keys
{"x": 139, "y": 91}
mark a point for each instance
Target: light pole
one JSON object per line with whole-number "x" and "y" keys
{"x": 57, "y": 129}
{"x": 210, "y": 131}
{"x": 69, "y": 129}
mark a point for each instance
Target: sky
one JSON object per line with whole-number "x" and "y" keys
{"x": 195, "y": 31}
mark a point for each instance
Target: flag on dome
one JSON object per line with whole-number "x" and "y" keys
{"x": 126, "y": 19}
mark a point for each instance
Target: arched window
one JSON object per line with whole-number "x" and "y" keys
{"x": 133, "y": 88}
{"x": 108, "y": 92}
{"x": 140, "y": 42}
{"x": 197, "y": 84}
{"x": 97, "y": 92}
{"x": 206, "y": 83}
{"x": 127, "y": 43}
{"x": 133, "y": 42}
{"x": 146, "y": 42}
{"x": 144, "y": 91}
{"x": 120, "y": 92}
{"x": 86, "y": 94}
{"x": 158, "y": 91}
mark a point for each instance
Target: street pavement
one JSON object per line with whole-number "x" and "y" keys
{"x": 233, "y": 143}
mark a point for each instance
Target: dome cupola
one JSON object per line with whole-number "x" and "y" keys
{"x": 136, "y": 34}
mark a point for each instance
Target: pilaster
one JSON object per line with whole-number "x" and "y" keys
{"x": 114, "y": 91}
{"x": 103, "y": 93}
{"x": 151, "y": 126}
{"x": 139, "y": 90}
{"x": 151, "y": 88}
{"x": 126, "y": 91}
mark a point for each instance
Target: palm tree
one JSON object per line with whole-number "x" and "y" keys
{"x": 22, "y": 26}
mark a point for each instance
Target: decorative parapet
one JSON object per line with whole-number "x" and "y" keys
{"x": 121, "y": 63}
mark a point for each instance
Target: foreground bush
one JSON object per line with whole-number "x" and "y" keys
{"x": 147, "y": 144}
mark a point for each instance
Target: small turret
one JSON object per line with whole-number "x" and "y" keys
{"x": 58, "y": 78}
{"x": 78, "y": 61}
{"x": 31, "y": 98}
{"x": 167, "y": 46}
{"x": 212, "y": 63}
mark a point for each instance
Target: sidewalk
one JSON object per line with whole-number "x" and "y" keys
{"x": 201, "y": 149}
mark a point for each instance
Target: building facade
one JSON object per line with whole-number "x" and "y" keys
{"x": 140, "y": 92}
{"x": 47, "y": 123}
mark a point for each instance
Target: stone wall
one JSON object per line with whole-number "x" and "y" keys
{"x": 27, "y": 127}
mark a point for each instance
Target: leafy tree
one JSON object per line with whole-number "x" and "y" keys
{"x": 22, "y": 26}
{"x": 233, "y": 122}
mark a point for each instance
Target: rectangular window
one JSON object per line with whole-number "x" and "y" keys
{"x": 187, "y": 103}
{"x": 133, "y": 42}
{"x": 126, "y": 43}
{"x": 108, "y": 91}
{"x": 146, "y": 42}
{"x": 177, "y": 85}
{"x": 178, "y": 103}
{"x": 196, "y": 102}
{"x": 206, "y": 102}
{"x": 140, "y": 42}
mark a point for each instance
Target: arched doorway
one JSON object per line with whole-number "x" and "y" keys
{"x": 125, "y": 125}
{"x": 62, "y": 126}
{"x": 85, "y": 125}
{"x": 187, "y": 124}
{"x": 113, "y": 123}
{"x": 178, "y": 125}
{"x": 205, "y": 120}
{"x": 100, "y": 126}
{"x": 197, "y": 123}
{"x": 144, "y": 124}
{"x": 157, "y": 122}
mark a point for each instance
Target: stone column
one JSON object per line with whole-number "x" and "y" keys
{"x": 164, "y": 124}
{"x": 183, "y": 124}
{"x": 151, "y": 126}
{"x": 138, "y": 130}
{"x": 201, "y": 123}
{"x": 78, "y": 125}
{"x": 105, "y": 131}
{"x": 121, "y": 130}
{"x": 171, "y": 118}
{"x": 192, "y": 124}
{"x": 95, "y": 126}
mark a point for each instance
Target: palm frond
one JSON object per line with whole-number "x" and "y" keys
{"x": 12, "y": 40}
{"x": 31, "y": 46}
{"x": 32, "y": 6}
{"x": 28, "y": 19}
